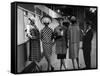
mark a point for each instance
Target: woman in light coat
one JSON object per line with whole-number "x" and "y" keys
{"x": 74, "y": 40}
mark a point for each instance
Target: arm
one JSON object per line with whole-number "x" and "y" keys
{"x": 41, "y": 35}
{"x": 66, "y": 37}
{"x": 90, "y": 35}
{"x": 55, "y": 34}
{"x": 32, "y": 33}
{"x": 81, "y": 34}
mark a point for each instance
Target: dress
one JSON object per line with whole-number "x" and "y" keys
{"x": 46, "y": 38}
{"x": 74, "y": 39}
{"x": 61, "y": 42}
{"x": 87, "y": 42}
{"x": 35, "y": 51}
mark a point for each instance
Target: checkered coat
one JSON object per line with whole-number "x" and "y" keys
{"x": 46, "y": 38}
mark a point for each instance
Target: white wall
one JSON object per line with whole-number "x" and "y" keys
{"x": 20, "y": 27}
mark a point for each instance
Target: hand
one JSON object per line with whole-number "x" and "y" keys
{"x": 33, "y": 37}
{"x": 30, "y": 36}
{"x": 53, "y": 43}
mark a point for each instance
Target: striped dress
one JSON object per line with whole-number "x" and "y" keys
{"x": 35, "y": 51}
{"x": 46, "y": 38}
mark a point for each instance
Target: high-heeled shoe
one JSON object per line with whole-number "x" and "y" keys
{"x": 48, "y": 69}
{"x": 52, "y": 68}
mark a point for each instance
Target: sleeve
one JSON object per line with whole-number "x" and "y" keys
{"x": 68, "y": 32}
{"x": 66, "y": 37}
{"x": 41, "y": 34}
{"x": 55, "y": 34}
{"x": 52, "y": 36}
{"x": 81, "y": 34}
{"x": 90, "y": 35}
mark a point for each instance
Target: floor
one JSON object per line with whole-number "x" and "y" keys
{"x": 56, "y": 62}
{"x": 68, "y": 62}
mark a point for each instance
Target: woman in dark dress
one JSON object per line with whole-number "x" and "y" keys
{"x": 87, "y": 43}
{"x": 60, "y": 35}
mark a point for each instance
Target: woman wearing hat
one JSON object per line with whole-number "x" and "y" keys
{"x": 34, "y": 37}
{"x": 47, "y": 41}
{"x": 74, "y": 40}
{"x": 60, "y": 35}
{"x": 87, "y": 42}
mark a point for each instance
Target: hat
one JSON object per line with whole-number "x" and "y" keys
{"x": 46, "y": 19}
{"x": 73, "y": 18}
{"x": 66, "y": 24}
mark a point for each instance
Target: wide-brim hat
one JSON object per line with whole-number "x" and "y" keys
{"x": 46, "y": 19}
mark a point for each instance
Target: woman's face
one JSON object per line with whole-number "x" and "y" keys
{"x": 46, "y": 24}
{"x": 73, "y": 21}
{"x": 46, "y": 21}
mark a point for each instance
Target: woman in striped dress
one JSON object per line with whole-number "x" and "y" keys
{"x": 34, "y": 35}
{"x": 46, "y": 38}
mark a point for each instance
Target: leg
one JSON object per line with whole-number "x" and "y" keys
{"x": 60, "y": 64}
{"x": 48, "y": 61}
{"x": 73, "y": 63}
{"x": 45, "y": 49}
{"x": 77, "y": 59}
{"x": 87, "y": 58}
{"x": 88, "y": 61}
{"x": 63, "y": 62}
{"x": 49, "y": 64}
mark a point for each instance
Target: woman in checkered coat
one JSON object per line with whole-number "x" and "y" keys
{"x": 46, "y": 38}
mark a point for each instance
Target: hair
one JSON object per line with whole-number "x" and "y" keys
{"x": 73, "y": 19}
{"x": 66, "y": 24}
